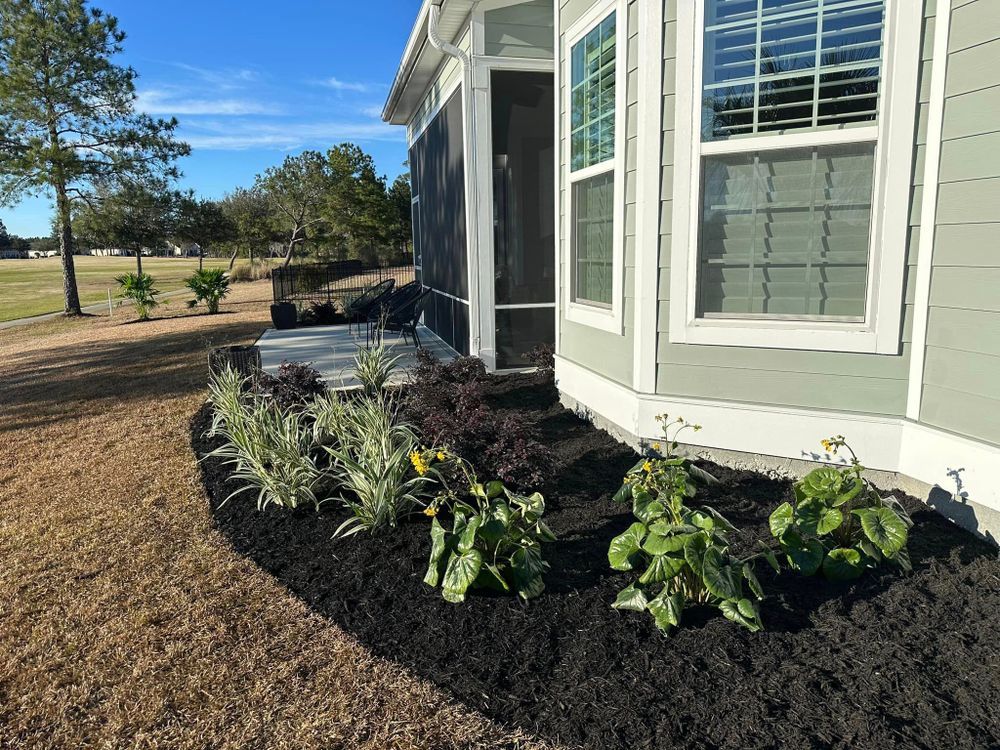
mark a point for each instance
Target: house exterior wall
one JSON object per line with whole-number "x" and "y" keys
{"x": 607, "y": 353}
{"x": 961, "y": 384}
{"x": 868, "y": 383}
{"x": 523, "y": 30}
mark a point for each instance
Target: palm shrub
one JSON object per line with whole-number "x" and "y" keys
{"x": 209, "y": 285}
{"x": 496, "y": 537}
{"x": 683, "y": 553}
{"x": 139, "y": 288}
{"x": 840, "y": 524}
{"x": 370, "y": 460}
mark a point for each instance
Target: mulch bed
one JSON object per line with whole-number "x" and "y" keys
{"x": 888, "y": 661}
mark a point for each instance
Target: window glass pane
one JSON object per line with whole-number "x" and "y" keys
{"x": 592, "y": 96}
{"x": 780, "y": 65}
{"x": 593, "y": 239}
{"x": 786, "y": 233}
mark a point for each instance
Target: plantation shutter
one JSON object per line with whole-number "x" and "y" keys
{"x": 786, "y": 233}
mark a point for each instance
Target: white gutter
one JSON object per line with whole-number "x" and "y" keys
{"x": 471, "y": 191}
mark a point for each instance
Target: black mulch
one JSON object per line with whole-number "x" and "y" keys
{"x": 889, "y": 661}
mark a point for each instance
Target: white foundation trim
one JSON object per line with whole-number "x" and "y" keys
{"x": 647, "y": 239}
{"x": 885, "y": 443}
{"x": 928, "y": 211}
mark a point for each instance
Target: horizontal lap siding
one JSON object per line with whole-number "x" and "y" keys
{"x": 605, "y": 353}
{"x": 962, "y": 367}
{"x": 810, "y": 379}
{"x": 523, "y": 30}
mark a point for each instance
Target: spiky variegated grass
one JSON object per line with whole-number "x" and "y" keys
{"x": 373, "y": 366}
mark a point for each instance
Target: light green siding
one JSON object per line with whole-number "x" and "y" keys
{"x": 606, "y": 353}
{"x": 868, "y": 383}
{"x": 962, "y": 366}
{"x": 523, "y": 30}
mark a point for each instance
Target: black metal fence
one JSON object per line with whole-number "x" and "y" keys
{"x": 332, "y": 282}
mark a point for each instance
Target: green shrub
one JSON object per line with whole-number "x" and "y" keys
{"x": 683, "y": 552}
{"x": 139, "y": 288}
{"x": 209, "y": 285}
{"x": 496, "y": 537}
{"x": 270, "y": 449}
{"x": 370, "y": 460}
{"x": 840, "y": 524}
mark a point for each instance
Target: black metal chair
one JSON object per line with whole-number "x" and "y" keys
{"x": 405, "y": 318}
{"x": 397, "y": 299}
{"x": 358, "y": 310}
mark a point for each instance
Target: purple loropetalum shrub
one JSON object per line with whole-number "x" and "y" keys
{"x": 446, "y": 401}
{"x": 296, "y": 384}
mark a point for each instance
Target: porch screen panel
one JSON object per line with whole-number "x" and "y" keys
{"x": 784, "y": 65}
{"x": 786, "y": 233}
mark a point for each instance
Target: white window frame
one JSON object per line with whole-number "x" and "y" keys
{"x": 607, "y": 319}
{"x": 894, "y": 137}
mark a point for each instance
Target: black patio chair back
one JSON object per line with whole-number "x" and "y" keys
{"x": 405, "y": 318}
{"x": 370, "y": 299}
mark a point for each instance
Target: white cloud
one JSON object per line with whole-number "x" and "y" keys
{"x": 375, "y": 111}
{"x": 337, "y": 85}
{"x": 227, "y": 78}
{"x": 164, "y": 102}
{"x": 286, "y": 136}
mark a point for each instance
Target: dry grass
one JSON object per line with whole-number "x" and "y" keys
{"x": 125, "y": 620}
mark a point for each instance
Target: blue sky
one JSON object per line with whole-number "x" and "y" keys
{"x": 252, "y": 82}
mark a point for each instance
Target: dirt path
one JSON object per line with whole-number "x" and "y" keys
{"x": 125, "y": 619}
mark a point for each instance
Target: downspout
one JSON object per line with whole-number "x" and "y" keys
{"x": 446, "y": 48}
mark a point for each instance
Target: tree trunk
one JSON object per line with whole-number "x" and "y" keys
{"x": 71, "y": 296}
{"x": 138, "y": 260}
{"x": 232, "y": 259}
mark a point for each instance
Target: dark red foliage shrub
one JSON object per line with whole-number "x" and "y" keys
{"x": 295, "y": 384}
{"x": 446, "y": 401}
{"x": 543, "y": 357}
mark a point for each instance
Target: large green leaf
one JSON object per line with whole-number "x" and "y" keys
{"x": 624, "y": 551}
{"x": 842, "y": 564}
{"x": 701, "y": 476}
{"x": 752, "y": 581}
{"x": 492, "y": 532}
{"x": 830, "y": 519}
{"x": 467, "y": 539}
{"x": 658, "y": 544}
{"x": 702, "y": 520}
{"x": 666, "y": 610}
{"x": 808, "y": 515}
{"x": 720, "y": 578}
{"x": 528, "y": 567}
{"x": 624, "y": 493}
{"x": 743, "y": 612}
{"x": 902, "y": 559}
{"x": 661, "y": 569}
{"x": 825, "y": 482}
{"x": 664, "y": 527}
{"x": 532, "y": 506}
{"x": 804, "y": 556}
{"x": 884, "y": 528}
{"x": 782, "y": 517}
{"x": 644, "y": 507}
{"x": 462, "y": 570}
{"x": 438, "y": 546}
{"x": 852, "y": 487}
{"x": 720, "y": 520}
{"x": 694, "y": 552}
{"x": 631, "y": 597}
{"x": 491, "y": 577}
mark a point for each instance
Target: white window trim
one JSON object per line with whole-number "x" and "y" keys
{"x": 591, "y": 315}
{"x": 894, "y": 136}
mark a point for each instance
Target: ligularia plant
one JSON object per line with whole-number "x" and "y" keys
{"x": 839, "y": 523}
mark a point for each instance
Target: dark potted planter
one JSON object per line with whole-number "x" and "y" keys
{"x": 284, "y": 315}
{"x": 243, "y": 359}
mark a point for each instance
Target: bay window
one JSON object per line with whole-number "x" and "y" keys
{"x": 792, "y": 172}
{"x": 594, "y": 126}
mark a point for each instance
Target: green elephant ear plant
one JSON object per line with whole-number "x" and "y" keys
{"x": 839, "y": 524}
{"x": 683, "y": 553}
{"x": 496, "y": 537}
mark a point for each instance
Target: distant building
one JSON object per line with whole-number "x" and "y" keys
{"x": 11, "y": 253}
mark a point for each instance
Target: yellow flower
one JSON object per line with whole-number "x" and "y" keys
{"x": 418, "y": 463}
{"x": 647, "y": 467}
{"x": 656, "y": 447}
{"x": 440, "y": 456}
{"x": 431, "y": 511}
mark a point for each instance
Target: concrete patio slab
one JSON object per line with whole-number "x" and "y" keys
{"x": 331, "y": 350}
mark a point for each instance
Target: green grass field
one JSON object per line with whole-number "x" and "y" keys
{"x": 34, "y": 287}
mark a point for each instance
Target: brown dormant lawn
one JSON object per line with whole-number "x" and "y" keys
{"x": 125, "y": 619}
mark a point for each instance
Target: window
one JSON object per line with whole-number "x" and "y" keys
{"x": 594, "y": 66}
{"x": 795, "y": 121}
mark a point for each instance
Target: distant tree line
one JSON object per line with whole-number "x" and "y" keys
{"x": 24, "y": 245}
